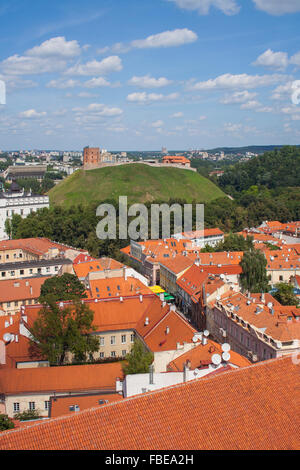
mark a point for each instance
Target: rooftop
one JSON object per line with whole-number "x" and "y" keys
{"x": 251, "y": 408}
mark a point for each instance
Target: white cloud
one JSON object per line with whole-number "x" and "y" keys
{"x": 229, "y": 7}
{"x": 295, "y": 59}
{"x": 149, "y": 82}
{"x": 146, "y": 98}
{"x": 32, "y": 114}
{"x": 51, "y": 56}
{"x": 236, "y": 81}
{"x": 94, "y": 67}
{"x": 238, "y": 97}
{"x": 250, "y": 105}
{"x": 177, "y": 115}
{"x": 56, "y": 47}
{"x": 96, "y": 82}
{"x": 278, "y": 7}
{"x": 283, "y": 92}
{"x": 98, "y": 109}
{"x": 174, "y": 38}
{"x": 157, "y": 124}
{"x": 274, "y": 60}
{"x": 62, "y": 84}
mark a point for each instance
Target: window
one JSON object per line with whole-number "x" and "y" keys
{"x": 48, "y": 269}
{"x": 123, "y": 339}
{"x": 101, "y": 340}
{"x": 30, "y": 271}
{"x": 101, "y": 355}
{"x": 47, "y": 405}
{"x": 113, "y": 354}
{"x": 112, "y": 340}
{"x": 21, "y": 272}
{"x": 32, "y": 405}
{"x": 124, "y": 352}
{"x": 16, "y": 407}
{"x": 132, "y": 338}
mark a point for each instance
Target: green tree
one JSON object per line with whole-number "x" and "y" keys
{"x": 28, "y": 415}
{"x": 59, "y": 288}
{"x": 5, "y": 423}
{"x": 254, "y": 276}
{"x": 61, "y": 330}
{"x": 138, "y": 360}
{"x": 285, "y": 294}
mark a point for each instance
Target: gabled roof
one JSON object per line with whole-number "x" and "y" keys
{"x": 177, "y": 264}
{"x": 116, "y": 287}
{"x": 101, "y": 264}
{"x": 21, "y": 289}
{"x": 200, "y": 356}
{"x": 251, "y": 408}
{"x": 39, "y": 246}
{"x": 60, "y": 405}
{"x": 60, "y": 379}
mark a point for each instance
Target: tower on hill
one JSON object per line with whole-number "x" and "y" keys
{"x": 91, "y": 156}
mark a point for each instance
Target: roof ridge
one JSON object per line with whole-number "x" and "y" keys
{"x": 147, "y": 394}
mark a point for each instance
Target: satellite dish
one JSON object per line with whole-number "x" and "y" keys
{"x": 196, "y": 371}
{"x": 206, "y": 333}
{"x": 7, "y": 337}
{"x": 226, "y": 356}
{"x": 216, "y": 359}
{"x": 195, "y": 339}
{"x": 226, "y": 347}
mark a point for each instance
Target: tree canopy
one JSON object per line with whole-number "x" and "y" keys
{"x": 59, "y": 288}
{"x": 285, "y": 294}
{"x": 138, "y": 360}
{"x": 61, "y": 330}
{"x": 5, "y": 422}
{"x": 254, "y": 276}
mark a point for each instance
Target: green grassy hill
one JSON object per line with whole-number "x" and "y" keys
{"x": 140, "y": 183}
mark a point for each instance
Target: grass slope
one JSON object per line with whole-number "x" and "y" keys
{"x": 140, "y": 183}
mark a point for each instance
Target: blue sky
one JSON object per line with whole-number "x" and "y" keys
{"x": 139, "y": 75}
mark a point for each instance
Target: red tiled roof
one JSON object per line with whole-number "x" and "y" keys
{"x": 251, "y": 408}
{"x": 177, "y": 264}
{"x": 116, "y": 287}
{"x": 39, "y": 246}
{"x": 201, "y": 355}
{"x": 60, "y": 379}
{"x": 83, "y": 269}
{"x": 21, "y": 289}
{"x": 60, "y": 405}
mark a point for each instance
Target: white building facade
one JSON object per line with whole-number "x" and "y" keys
{"x": 21, "y": 203}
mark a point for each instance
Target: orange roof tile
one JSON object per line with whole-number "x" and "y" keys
{"x": 83, "y": 269}
{"x": 21, "y": 289}
{"x": 60, "y": 379}
{"x": 178, "y": 264}
{"x": 39, "y": 246}
{"x": 200, "y": 356}
{"x": 116, "y": 287}
{"x": 250, "y": 408}
{"x": 60, "y": 405}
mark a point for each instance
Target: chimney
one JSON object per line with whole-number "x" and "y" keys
{"x": 185, "y": 371}
{"x": 146, "y": 321}
{"x": 2, "y": 352}
{"x": 121, "y": 299}
{"x": 151, "y": 374}
{"x": 263, "y": 297}
{"x": 162, "y": 297}
{"x": 167, "y": 330}
{"x": 11, "y": 320}
{"x": 141, "y": 298}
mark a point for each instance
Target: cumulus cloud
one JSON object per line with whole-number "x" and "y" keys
{"x": 174, "y": 38}
{"x": 62, "y": 84}
{"x": 95, "y": 67}
{"x": 235, "y": 81}
{"x": 229, "y": 7}
{"x": 157, "y": 124}
{"x": 250, "y": 105}
{"x": 147, "y": 98}
{"x": 98, "y": 109}
{"x": 51, "y": 56}
{"x": 96, "y": 82}
{"x": 274, "y": 60}
{"x": 32, "y": 114}
{"x": 177, "y": 115}
{"x": 149, "y": 82}
{"x": 56, "y": 47}
{"x": 278, "y": 7}
{"x": 238, "y": 97}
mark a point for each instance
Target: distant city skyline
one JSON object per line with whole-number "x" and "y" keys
{"x": 138, "y": 75}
